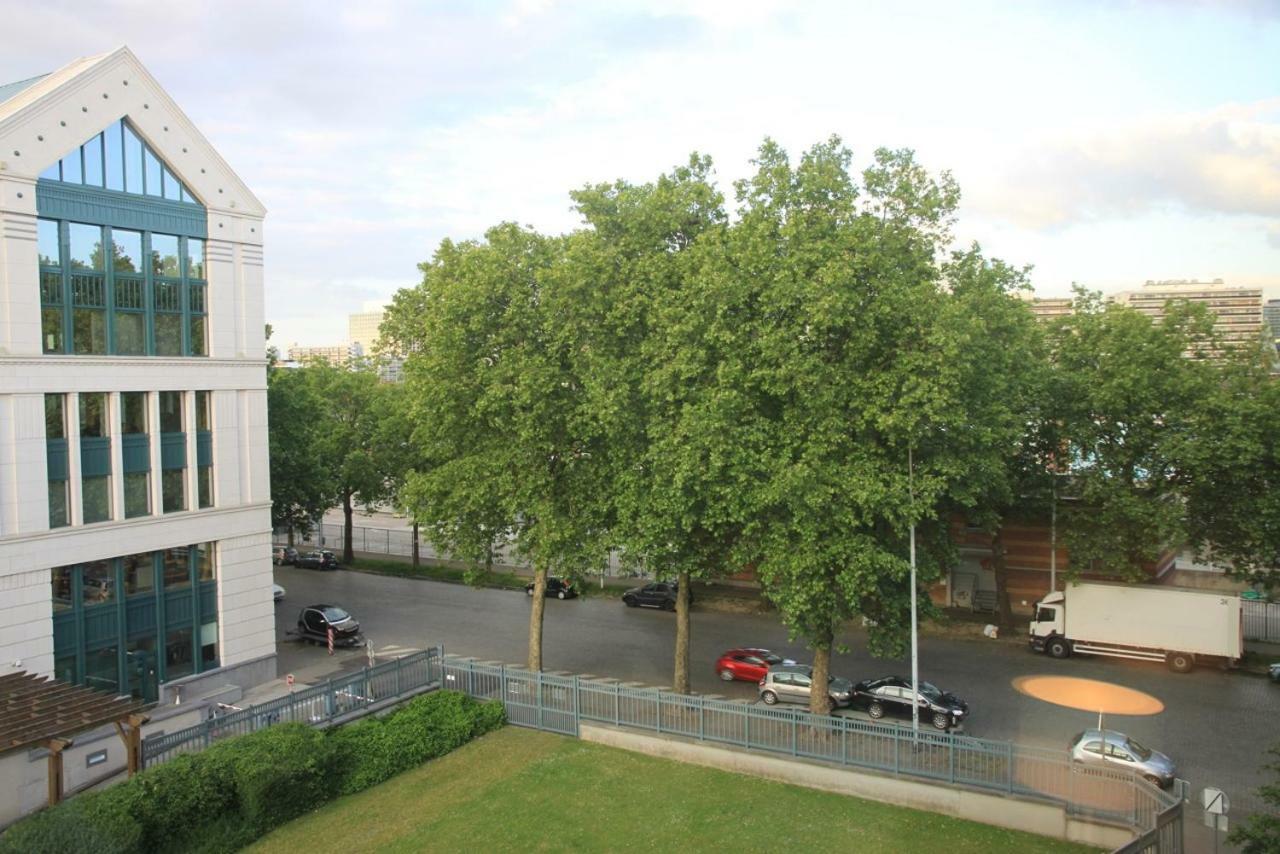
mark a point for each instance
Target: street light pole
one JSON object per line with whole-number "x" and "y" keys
{"x": 915, "y": 648}
{"x": 1053, "y": 540}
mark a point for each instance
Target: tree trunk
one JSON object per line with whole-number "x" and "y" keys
{"x": 415, "y": 545}
{"x": 1004, "y": 609}
{"x": 535, "y": 618}
{"x": 681, "y": 680}
{"x": 291, "y": 543}
{"x": 348, "y": 554}
{"x": 819, "y": 696}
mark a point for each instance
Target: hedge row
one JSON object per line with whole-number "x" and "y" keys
{"x": 225, "y": 797}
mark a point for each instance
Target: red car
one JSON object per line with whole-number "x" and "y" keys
{"x": 749, "y": 664}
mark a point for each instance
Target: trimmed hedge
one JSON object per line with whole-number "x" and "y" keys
{"x": 224, "y": 798}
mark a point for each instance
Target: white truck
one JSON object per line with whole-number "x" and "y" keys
{"x": 1176, "y": 625}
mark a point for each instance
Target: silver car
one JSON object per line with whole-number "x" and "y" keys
{"x": 1108, "y": 747}
{"x": 789, "y": 683}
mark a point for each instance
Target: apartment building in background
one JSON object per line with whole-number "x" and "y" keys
{"x": 335, "y": 354}
{"x": 135, "y": 525}
{"x": 1238, "y": 309}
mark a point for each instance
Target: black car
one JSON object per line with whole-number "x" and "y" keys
{"x": 559, "y": 588}
{"x": 314, "y": 622}
{"x": 659, "y": 594}
{"x": 892, "y": 696}
{"x": 284, "y": 556}
{"x": 317, "y": 560}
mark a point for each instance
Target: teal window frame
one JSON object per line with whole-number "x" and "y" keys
{"x": 57, "y": 464}
{"x": 184, "y": 297}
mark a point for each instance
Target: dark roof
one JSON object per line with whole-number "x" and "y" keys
{"x": 35, "y": 708}
{"x": 8, "y": 90}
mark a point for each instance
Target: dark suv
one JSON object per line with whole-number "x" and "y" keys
{"x": 284, "y": 556}
{"x": 558, "y": 588}
{"x": 659, "y": 594}
{"x": 317, "y": 560}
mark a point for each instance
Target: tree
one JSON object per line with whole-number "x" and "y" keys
{"x": 301, "y": 484}
{"x": 651, "y": 359}
{"x": 510, "y": 447}
{"x": 1260, "y": 834}
{"x": 1126, "y": 396}
{"x": 352, "y": 405}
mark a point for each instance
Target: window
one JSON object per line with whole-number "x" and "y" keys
{"x": 204, "y": 449}
{"x": 55, "y": 429}
{"x": 95, "y": 458}
{"x": 137, "y": 454}
{"x": 1046, "y": 615}
{"x": 173, "y": 453}
{"x": 139, "y": 574}
{"x": 128, "y": 288}
{"x": 204, "y": 562}
{"x": 88, "y": 289}
{"x": 62, "y": 581}
{"x": 97, "y": 582}
{"x": 177, "y": 568}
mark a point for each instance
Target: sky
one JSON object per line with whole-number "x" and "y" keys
{"x": 1102, "y": 142}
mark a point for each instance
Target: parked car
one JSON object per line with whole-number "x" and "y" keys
{"x": 891, "y": 695}
{"x": 790, "y": 683}
{"x": 317, "y": 560}
{"x": 284, "y": 556}
{"x": 557, "y": 587}
{"x": 1108, "y": 747}
{"x": 749, "y": 663}
{"x": 314, "y": 622}
{"x": 277, "y": 593}
{"x": 1275, "y": 672}
{"x": 659, "y": 594}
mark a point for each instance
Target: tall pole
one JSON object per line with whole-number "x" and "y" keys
{"x": 915, "y": 647}
{"x": 1053, "y": 540}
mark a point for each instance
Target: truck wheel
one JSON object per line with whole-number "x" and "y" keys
{"x": 1058, "y": 648}
{"x": 1180, "y": 662}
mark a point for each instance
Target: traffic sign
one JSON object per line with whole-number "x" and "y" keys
{"x": 1215, "y": 801}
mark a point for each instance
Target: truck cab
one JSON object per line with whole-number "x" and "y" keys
{"x": 1049, "y": 621}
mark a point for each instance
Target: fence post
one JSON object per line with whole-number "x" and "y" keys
{"x": 617, "y": 704}
{"x": 746, "y": 726}
{"x": 330, "y": 701}
{"x": 502, "y": 685}
{"x": 208, "y": 735}
{"x": 539, "y": 699}
{"x": 577, "y": 703}
{"x": 1008, "y": 768}
{"x": 897, "y": 762}
{"x": 844, "y": 742}
{"x": 795, "y": 726}
{"x": 398, "y": 675}
{"x": 951, "y": 758}
{"x": 471, "y": 677}
{"x": 657, "y": 695}
{"x": 702, "y": 719}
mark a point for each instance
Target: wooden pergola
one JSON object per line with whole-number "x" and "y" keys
{"x": 37, "y": 711}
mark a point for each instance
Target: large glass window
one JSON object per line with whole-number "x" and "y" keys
{"x": 62, "y": 591}
{"x": 88, "y": 289}
{"x": 177, "y": 568}
{"x": 139, "y": 574}
{"x": 55, "y": 430}
{"x": 173, "y": 485}
{"x": 47, "y": 242}
{"x": 137, "y": 454}
{"x": 204, "y": 448}
{"x": 95, "y": 458}
{"x": 97, "y": 582}
{"x": 93, "y": 164}
{"x": 133, "y": 412}
{"x": 204, "y": 562}
{"x": 113, "y": 150}
{"x": 171, "y": 412}
{"x": 132, "y": 161}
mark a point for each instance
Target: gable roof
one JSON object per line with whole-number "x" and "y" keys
{"x": 45, "y": 117}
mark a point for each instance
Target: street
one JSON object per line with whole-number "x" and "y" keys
{"x": 1215, "y": 725}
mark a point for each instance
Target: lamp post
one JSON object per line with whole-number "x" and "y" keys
{"x": 915, "y": 648}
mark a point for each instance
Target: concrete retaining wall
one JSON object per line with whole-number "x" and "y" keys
{"x": 1000, "y": 810}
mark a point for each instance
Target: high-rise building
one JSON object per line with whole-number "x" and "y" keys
{"x": 1271, "y": 317}
{"x": 1238, "y": 309}
{"x": 362, "y": 329}
{"x": 135, "y": 523}
{"x": 1050, "y": 308}
{"x": 335, "y": 354}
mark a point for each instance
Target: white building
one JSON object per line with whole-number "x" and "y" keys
{"x": 134, "y": 499}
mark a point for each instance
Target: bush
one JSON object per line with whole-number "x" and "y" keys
{"x": 224, "y": 798}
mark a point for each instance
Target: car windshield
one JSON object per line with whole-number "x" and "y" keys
{"x": 930, "y": 692}
{"x": 771, "y": 658}
{"x": 335, "y": 615}
{"x": 1137, "y": 750}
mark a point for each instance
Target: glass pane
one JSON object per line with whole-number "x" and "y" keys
{"x": 204, "y": 420}
{"x": 137, "y": 494}
{"x": 97, "y": 582}
{"x": 170, "y": 412}
{"x": 174, "y": 489}
{"x": 164, "y": 255}
{"x": 169, "y": 335}
{"x": 71, "y": 168}
{"x": 132, "y": 161}
{"x": 61, "y": 577}
{"x": 97, "y": 499}
{"x": 51, "y": 330}
{"x": 204, "y": 561}
{"x": 126, "y": 250}
{"x": 131, "y": 334}
{"x": 102, "y": 669}
{"x": 86, "y": 246}
{"x": 89, "y": 331}
{"x": 209, "y": 645}
{"x": 199, "y": 346}
{"x": 93, "y": 415}
{"x": 114, "y": 152}
{"x": 179, "y": 657}
{"x": 53, "y": 172}
{"x": 141, "y": 656}
{"x": 59, "y": 502}
{"x": 47, "y": 239}
{"x": 93, "y": 161}
{"x": 54, "y": 423}
{"x": 195, "y": 258}
{"x": 139, "y": 574}
{"x": 177, "y": 568}
{"x": 204, "y": 480}
{"x": 171, "y": 186}
{"x": 133, "y": 412}
{"x": 151, "y": 170}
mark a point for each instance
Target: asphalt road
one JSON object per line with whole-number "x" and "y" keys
{"x": 1215, "y": 725}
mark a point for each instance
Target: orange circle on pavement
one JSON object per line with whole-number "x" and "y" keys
{"x": 1089, "y": 695}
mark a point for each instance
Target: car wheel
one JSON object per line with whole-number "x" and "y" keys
{"x": 560, "y": 595}
{"x": 941, "y": 721}
{"x": 1153, "y": 780}
{"x": 726, "y": 675}
{"x": 1180, "y": 662}
{"x": 1058, "y": 648}
{"x": 629, "y": 601}
{"x": 669, "y": 605}
{"x": 769, "y": 698}
{"x": 876, "y": 711}
{"x": 831, "y": 706}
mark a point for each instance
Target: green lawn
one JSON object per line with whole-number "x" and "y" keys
{"x": 516, "y": 789}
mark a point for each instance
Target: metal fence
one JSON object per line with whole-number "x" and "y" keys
{"x": 559, "y": 703}
{"x": 316, "y": 706}
{"x": 1261, "y": 620}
